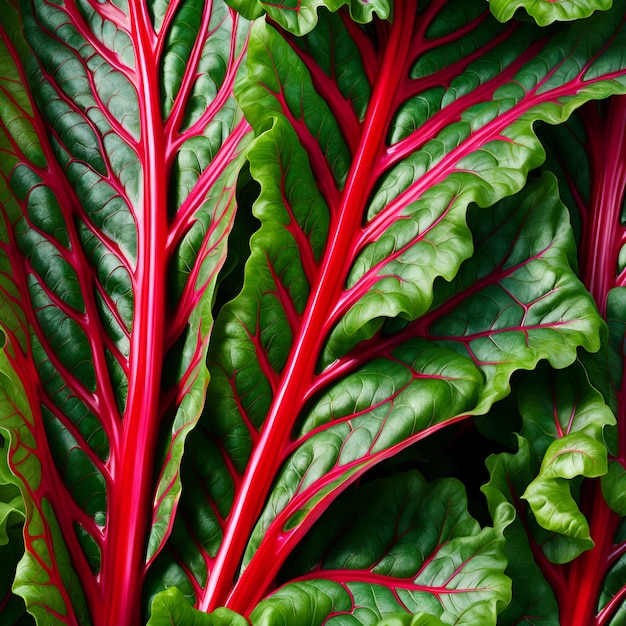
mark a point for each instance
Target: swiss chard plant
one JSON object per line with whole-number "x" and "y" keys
{"x": 279, "y": 294}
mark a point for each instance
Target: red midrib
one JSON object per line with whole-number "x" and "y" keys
{"x": 298, "y": 373}
{"x": 600, "y": 248}
{"x": 599, "y": 252}
{"x": 587, "y": 572}
{"x": 132, "y": 468}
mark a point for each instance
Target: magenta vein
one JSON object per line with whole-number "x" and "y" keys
{"x": 449, "y": 113}
{"x": 478, "y": 138}
{"x": 245, "y": 418}
{"x": 283, "y": 296}
{"x": 113, "y": 309}
{"x": 345, "y": 418}
{"x": 111, "y": 246}
{"x": 309, "y": 264}
{"x": 222, "y": 96}
{"x": 317, "y": 159}
{"x": 108, "y": 11}
{"x": 342, "y": 109}
{"x": 183, "y": 566}
{"x": 172, "y": 124}
{"x": 73, "y": 429}
{"x": 85, "y": 30}
{"x": 158, "y": 39}
{"x": 259, "y": 350}
{"x": 365, "y": 46}
{"x": 192, "y": 293}
{"x": 194, "y": 201}
{"x": 114, "y": 123}
{"x": 360, "y": 576}
{"x": 425, "y": 20}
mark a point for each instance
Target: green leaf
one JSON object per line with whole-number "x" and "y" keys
{"x": 301, "y": 16}
{"x": 12, "y": 514}
{"x": 171, "y": 607}
{"x": 547, "y": 11}
{"x": 419, "y": 619}
{"x": 562, "y": 438}
{"x": 533, "y": 599}
{"x": 506, "y": 308}
{"x": 380, "y": 251}
{"x": 390, "y": 546}
{"x": 614, "y": 487}
{"x": 119, "y": 166}
{"x": 610, "y": 605}
{"x": 564, "y": 418}
{"x": 615, "y": 310}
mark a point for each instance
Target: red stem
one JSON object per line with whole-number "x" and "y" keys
{"x": 587, "y": 572}
{"x": 132, "y": 463}
{"x": 600, "y": 246}
{"x": 599, "y": 254}
{"x": 298, "y": 373}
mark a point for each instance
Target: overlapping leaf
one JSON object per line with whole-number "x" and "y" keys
{"x": 576, "y": 152}
{"x": 118, "y": 165}
{"x": 425, "y": 559}
{"x": 170, "y": 608}
{"x": 360, "y": 329}
{"x": 535, "y": 580}
{"x": 562, "y": 438}
{"x": 588, "y": 155}
{"x": 397, "y": 546}
{"x": 12, "y": 515}
{"x": 300, "y": 16}
{"x": 547, "y": 11}
{"x": 564, "y": 422}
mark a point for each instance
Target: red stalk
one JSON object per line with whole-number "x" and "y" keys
{"x": 132, "y": 464}
{"x": 600, "y": 247}
{"x": 299, "y": 370}
{"x": 599, "y": 253}
{"x": 587, "y": 572}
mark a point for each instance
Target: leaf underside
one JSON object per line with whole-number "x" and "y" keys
{"x": 119, "y": 139}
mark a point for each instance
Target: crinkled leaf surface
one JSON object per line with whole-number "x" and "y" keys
{"x": 564, "y": 418}
{"x": 589, "y": 157}
{"x": 547, "y": 11}
{"x": 119, "y": 135}
{"x": 363, "y": 326}
{"x": 533, "y": 589}
{"x": 562, "y": 437}
{"x": 170, "y": 608}
{"x": 419, "y": 619}
{"x": 300, "y": 16}
{"x": 398, "y": 546}
{"x": 12, "y": 515}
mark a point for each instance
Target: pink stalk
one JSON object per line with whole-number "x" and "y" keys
{"x": 298, "y": 373}
{"x": 598, "y": 258}
{"x": 133, "y": 463}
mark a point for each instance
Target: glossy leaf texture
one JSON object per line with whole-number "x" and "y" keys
{"x": 428, "y": 561}
{"x": 562, "y": 438}
{"x": 12, "y": 515}
{"x": 428, "y": 556}
{"x": 119, "y": 141}
{"x": 546, "y": 12}
{"x": 587, "y": 153}
{"x": 577, "y": 153}
{"x": 364, "y": 325}
{"x": 300, "y": 16}
{"x": 171, "y": 607}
